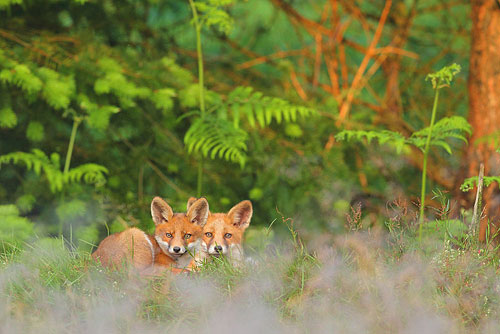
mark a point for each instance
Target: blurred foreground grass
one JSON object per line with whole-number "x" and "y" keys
{"x": 361, "y": 282}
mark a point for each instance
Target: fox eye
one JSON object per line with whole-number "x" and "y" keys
{"x": 187, "y": 236}
{"x": 208, "y": 234}
{"x": 228, "y": 235}
{"x": 168, "y": 235}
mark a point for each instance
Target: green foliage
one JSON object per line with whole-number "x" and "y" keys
{"x": 212, "y": 13}
{"x": 26, "y": 202}
{"x": 445, "y": 229}
{"x": 471, "y": 182}
{"x": 98, "y": 117}
{"x": 8, "y": 118}
{"x": 394, "y": 139}
{"x": 71, "y": 210}
{"x": 114, "y": 82}
{"x": 14, "y": 229}
{"x": 58, "y": 90}
{"x": 7, "y": 3}
{"x": 35, "y": 131}
{"x": 213, "y": 137}
{"x": 446, "y": 128}
{"x": 444, "y": 76}
{"x": 21, "y": 76}
{"x": 163, "y": 99}
{"x": 261, "y": 110}
{"x": 39, "y": 162}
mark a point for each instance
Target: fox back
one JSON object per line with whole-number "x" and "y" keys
{"x": 130, "y": 246}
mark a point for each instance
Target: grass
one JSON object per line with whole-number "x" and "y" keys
{"x": 364, "y": 281}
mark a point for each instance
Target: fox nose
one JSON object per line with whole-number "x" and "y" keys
{"x": 177, "y": 249}
{"x": 218, "y": 249}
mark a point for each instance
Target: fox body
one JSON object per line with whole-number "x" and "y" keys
{"x": 223, "y": 232}
{"x": 177, "y": 237}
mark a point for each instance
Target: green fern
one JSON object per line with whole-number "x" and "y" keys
{"x": 471, "y": 182}
{"x": 391, "y": 138}
{"x": 114, "y": 82}
{"x": 261, "y": 110}
{"x": 58, "y": 90}
{"x": 35, "y": 131}
{"x": 212, "y": 13}
{"x": 8, "y": 118}
{"x": 21, "y": 76}
{"x": 40, "y": 163}
{"x": 446, "y": 128}
{"x": 98, "y": 117}
{"x": 214, "y": 137}
{"x": 14, "y": 229}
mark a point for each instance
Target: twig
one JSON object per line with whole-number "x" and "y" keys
{"x": 476, "y": 215}
{"x": 344, "y": 110}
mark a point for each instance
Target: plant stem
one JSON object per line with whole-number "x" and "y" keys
{"x": 69, "y": 153}
{"x": 200, "y": 178}
{"x": 424, "y": 167}
{"x": 76, "y": 122}
{"x": 201, "y": 84}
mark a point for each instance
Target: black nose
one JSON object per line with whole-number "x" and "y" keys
{"x": 218, "y": 249}
{"x": 177, "y": 249}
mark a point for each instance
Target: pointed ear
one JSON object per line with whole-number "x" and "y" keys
{"x": 198, "y": 211}
{"x": 190, "y": 202}
{"x": 241, "y": 213}
{"x": 160, "y": 211}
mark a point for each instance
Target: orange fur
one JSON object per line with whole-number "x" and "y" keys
{"x": 176, "y": 235}
{"x": 223, "y": 232}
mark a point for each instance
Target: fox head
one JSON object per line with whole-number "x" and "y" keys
{"x": 223, "y": 233}
{"x": 178, "y": 233}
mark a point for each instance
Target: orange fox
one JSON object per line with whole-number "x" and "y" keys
{"x": 223, "y": 233}
{"x": 176, "y": 236}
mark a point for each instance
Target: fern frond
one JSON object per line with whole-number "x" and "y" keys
{"x": 214, "y": 137}
{"x": 447, "y": 127}
{"x": 471, "y": 182}
{"x": 211, "y": 13}
{"x": 261, "y": 110}
{"x": 89, "y": 173}
{"x": 8, "y": 118}
{"x": 394, "y": 139}
{"x": 444, "y": 76}
{"x": 40, "y": 163}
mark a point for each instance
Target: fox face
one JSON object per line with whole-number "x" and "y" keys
{"x": 180, "y": 233}
{"x": 223, "y": 233}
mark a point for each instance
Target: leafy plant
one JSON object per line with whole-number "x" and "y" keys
{"x": 217, "y": 131}
{"x": 14, "y": 229}
{"x": 435, "y": 134}
{"x": 50, "y": 167}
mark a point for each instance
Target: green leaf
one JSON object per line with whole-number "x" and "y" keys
{"x": 8, "y": 118}
{"x": 35, "y": 131}
{"x": 444, "y": 76}
{"x": 214, "y": 137}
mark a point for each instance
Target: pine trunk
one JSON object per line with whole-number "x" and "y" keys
{"x": 484, "y": 102}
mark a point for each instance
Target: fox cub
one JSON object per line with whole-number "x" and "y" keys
{"x": 177, "y": 237}
{"x": 223, "y": 232}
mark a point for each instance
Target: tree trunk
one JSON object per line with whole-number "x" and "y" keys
{"x": 484, "y": 103}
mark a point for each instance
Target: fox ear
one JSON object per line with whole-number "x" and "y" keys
{"x": 240, "y": 214}
{"x": 197, "y": 212}
{"x": 190, "y": 202}
{"x": 160, "y": 211}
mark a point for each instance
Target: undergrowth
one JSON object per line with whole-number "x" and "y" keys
{"x": 376, "y": 280}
